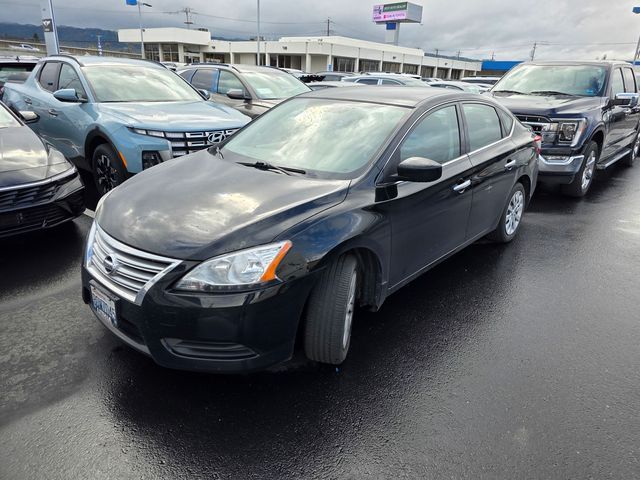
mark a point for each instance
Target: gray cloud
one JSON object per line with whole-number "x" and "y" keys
{"x": 583, "y": 29}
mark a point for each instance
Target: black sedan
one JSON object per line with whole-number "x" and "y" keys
{"x": 333, "y": 200}
{"x": 39, "y": 188}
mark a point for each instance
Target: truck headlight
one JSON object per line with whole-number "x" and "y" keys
{"x": 244, "y": 268}
{"x": 571, "y": 131}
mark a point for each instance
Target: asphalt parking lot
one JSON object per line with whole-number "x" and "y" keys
{"x": 503, "y": 362}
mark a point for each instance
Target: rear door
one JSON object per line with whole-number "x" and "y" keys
{"x": 616, "y": 116}
{"x": 40, "y": 99}
{"x": 428, "y": 220}
{"x": 493, "y": 155}
{"x": 227, "y": 81}
{"x": 631, "y": 114}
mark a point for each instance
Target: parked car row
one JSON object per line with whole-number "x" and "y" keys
{"x": 273, "y": 232}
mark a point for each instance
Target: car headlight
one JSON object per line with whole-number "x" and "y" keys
{"x": 88, "y": 253}
{"x": 239, "y": 269}
{"x": 570, "y": 131}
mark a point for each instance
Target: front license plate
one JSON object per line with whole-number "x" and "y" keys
{"x": 104, "y": 306}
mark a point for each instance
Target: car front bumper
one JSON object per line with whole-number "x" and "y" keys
{"x": 559, "y": 169}
{"x": 220, "y": 333}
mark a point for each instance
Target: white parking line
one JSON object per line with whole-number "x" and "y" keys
{"x": 89, "y": 213}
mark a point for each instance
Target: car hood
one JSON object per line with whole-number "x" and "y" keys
{"x": 175, "y": 116}
{"x": 547, "y": 105}
{"x": 24, "y": 158}
{"x": 199, "y": 206}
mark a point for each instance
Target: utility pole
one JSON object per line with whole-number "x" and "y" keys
{"x": 458, "y": 55}
{"x": 328, "y": 27}
{"x": 636, "y": 10}
{"x": 533, "y": 50}
{"x": 493, "y": 56}
{"x": 258, "y": 37}
{"x": 139, "y": 4}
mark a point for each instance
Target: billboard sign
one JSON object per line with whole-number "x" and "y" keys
{"x": 397, "y": 12}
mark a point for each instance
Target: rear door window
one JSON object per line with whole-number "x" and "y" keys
{"x": 483, "y": 125}
{"x": 187, "y": 75}
{"x": 228, "y": 81}
{"x": 629, "y": 80}
{"x": 386, "y": 81}
{"x": 48, "y": 78}
{"x": 617, "y": 85}
{"x": 368, "y": 81}
{"x": 205, "y": 79}
{"x": 436, "y": 137}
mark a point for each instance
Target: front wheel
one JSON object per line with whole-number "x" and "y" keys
{"x": 108, "y": 171}
{"x": 327, "y": 333}
{"x": 511, "y": 216}
{"x": 584, "y": 178}
{"x": 635, "y": 151}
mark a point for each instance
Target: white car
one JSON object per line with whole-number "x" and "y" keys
{"x": 24, "y": 46}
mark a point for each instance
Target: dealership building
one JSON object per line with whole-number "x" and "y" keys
{"x": 311, "y": 54}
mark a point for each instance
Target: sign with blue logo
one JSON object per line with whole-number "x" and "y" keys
{"x": 132, "y": 2}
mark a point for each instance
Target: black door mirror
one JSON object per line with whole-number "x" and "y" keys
{"x": 237, "y": 94}
{"x": 28, "y": 116}
{"x": 418, "y": 169}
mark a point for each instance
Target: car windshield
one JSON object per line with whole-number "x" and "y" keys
{"x": 581, "y": 80}
{"x": 274, "y": 85}
{"x": 137, "y": 83}
{"x": 6, "y": 119}
{"x": 325, "y": 138}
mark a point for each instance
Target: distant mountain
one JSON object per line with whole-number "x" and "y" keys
{"x": 70, "y": 36}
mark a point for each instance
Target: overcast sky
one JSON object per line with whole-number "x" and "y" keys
{"x": 583, "y": 29}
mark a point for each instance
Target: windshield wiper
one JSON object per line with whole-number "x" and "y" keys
{"x": 515, "y": 92}
{"x": 551, "y": 92}
{"x": 269, "y": 166}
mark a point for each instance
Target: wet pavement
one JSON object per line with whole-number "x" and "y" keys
{"x": 503, "y": 362}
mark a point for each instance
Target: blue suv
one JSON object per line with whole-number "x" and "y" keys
{"x": 116, "y": 117}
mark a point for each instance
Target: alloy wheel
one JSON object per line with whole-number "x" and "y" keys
{"x": 351, "y": 303}
{"x": 589, "y": 168}
{"x": 514, "y": 212}
{"x": 106, "y": 174}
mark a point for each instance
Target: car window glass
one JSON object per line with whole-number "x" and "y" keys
{"x": 48, "y": 76}
{"x": 187, "y": 74}
{"x": 629, "y": 81}
{"x": 228, "y": 81}
{"x": 390, "y": 82}
{"x": 204, "y": 79}
{"x": 507, "y": 121}
{"x": 617, "y": 86}
{"x": 368, "y": 81}
{"x": 437, "y": 137}
{"x": 483, "y": 125}
{"x": 69, "y": 79}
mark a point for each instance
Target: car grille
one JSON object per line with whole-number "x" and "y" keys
{"x": 124, "y": 270}
{"x": 27, "y": 196}
{"x": 536, "y": 123}
{"x": 183, "y": 143}
{"x": 32, "y": 219}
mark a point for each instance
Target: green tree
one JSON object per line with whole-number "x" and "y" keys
{"x": 36, "y": 37}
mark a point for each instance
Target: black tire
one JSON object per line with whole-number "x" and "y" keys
{"x": 515, "y": 207}
{"x": 635, "y": 151}
{"x": 108, "y": 170}
{"x": 327, "y": 321}
{"x": 584, "y": 178}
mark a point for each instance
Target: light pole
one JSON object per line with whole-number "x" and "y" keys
{"x": 258, "y": 38}
{"x": 637, "y": 53}
{"x": 138, "y": 3}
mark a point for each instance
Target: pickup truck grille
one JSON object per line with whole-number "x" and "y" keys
{"x": 124, "y": 270}
{"x": 536, "y": 123}
{"x": 183, "y": 143}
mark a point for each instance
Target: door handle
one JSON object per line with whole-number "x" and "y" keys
{"x": 510, "y": 164}
{"x": 27, "y": 101}
{"x": 461, "y": 187}
{"x": 53, "y": 113}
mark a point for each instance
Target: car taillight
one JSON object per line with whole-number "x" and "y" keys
{"x": 537, "y": 141}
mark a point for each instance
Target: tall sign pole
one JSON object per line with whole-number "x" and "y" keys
{"x": 637, "y": 53}
{"x": 49, "y": 27}
{"x": 258, "y": 37}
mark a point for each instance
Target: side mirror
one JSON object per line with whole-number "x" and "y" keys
{"x": 29, "y": 117}
{"x": 237, "y": 94}
{"x": 205, "y": 93}
{"x": 68, "y": 95}
{"x": 418, "y": 169}
{"x": 626, "y": 99}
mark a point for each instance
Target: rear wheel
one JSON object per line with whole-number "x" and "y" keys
{"x": 584, "y": 178}
{"x": 511, "y": 216}
{"x": 108, "y": 171}
{"x": 635, "y": 151}
{"x": 327, "y": 333}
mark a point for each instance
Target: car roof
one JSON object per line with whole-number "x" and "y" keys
{"x": 88, "y": 60}
{"x": 400, "y": 96}
{"x": 239, "y": 67}
{"x": 599, "y": 63}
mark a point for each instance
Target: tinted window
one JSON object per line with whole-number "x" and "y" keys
{"x": 507, "y": 121}
{"x": 629, "y": 80}
{"x": 228, "y": 81}
{"x": 205, "y": 79}
{"x": 390, "y": 82}
{"x": 436, "y": 137}
{"x": 483, "y": 125}
{"x": 617, "y": 86}
{"x": 69, "y": 79}
{"x": 49, "y": 75}
{"x": 368, "y": 81}
{"x": 187, "y": 74}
